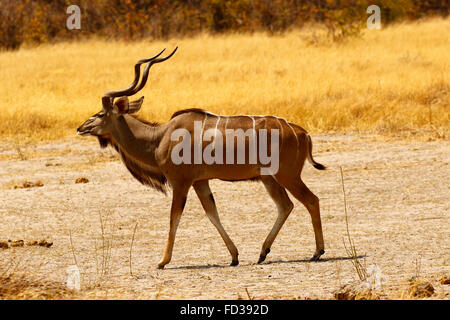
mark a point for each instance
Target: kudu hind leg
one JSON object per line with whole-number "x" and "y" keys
{"x": 206, "y": 198}
{"x": 300, "y": 191}
{"x": 178, "y": 203}
{"x": 284, "y": 206}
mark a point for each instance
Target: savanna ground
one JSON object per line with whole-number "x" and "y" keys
{"x": 377, "y": 105}
{"x": 398, "y": 217}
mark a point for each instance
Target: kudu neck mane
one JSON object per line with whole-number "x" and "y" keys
{"x": 148, "y": 123}
{"x": 144, "y": 174}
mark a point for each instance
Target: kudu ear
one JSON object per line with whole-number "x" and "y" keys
{"x": 121, "y": 105}
{"x": 134, "y": 106}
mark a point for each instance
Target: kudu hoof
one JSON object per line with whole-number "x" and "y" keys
{"x": 316, "y": 257}
{"x": 234, "y": 263}
{"x": 263, "y": 257}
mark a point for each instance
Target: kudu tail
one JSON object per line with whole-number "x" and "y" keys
{"x": 309, "y": 156}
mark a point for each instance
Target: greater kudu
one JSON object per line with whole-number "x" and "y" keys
{"x": 147, "y": 148}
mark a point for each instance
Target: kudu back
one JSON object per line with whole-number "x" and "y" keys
{"x": 196, "y": 146}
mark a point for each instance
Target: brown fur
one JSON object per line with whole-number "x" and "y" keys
{"x": 195, "y": 110}
{"x": 154, "y": 180}
{"x": 149, "y": 123}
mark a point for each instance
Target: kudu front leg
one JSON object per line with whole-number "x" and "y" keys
{"x": 178, "y": 203}
{"x": 206, "y": 198}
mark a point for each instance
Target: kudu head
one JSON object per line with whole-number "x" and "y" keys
{"x": 102, "y": 123}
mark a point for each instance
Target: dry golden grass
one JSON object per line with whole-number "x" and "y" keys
{"x": 16, "y": 283}
{"x": 392, "y": 80}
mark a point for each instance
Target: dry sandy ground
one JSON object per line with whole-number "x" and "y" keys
{"x": 398, "y": 210}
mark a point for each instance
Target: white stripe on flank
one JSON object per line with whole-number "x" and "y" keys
{"x": 295, "y": 135}
{"x": 203, "y": 125}
{"x": 265, "y": 116}
{"x": 201, "y": 133}
{"x": 253, "y": 119}
{"x": 211, "y": 114}
{"x": 215, "y": 131}
{"x": 293, "y": 131}
{"x": 246, "y": 115}
{"x": 281, "y": 132}
{"x": 217, "y": 123}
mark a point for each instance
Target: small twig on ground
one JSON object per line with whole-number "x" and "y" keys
{"x": 73, "y": 249}
{"x": 131, "y": 249}
{"x": 351, "y": 250}
{"x": 248, "y": 294}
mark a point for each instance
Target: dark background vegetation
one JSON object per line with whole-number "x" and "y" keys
{"x": 40, "y": 21}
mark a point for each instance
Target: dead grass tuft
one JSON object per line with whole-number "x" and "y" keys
{"x": 18, "y": 284}
{"x": 102, "y": 254}
{"x": 16, "y": 243}
{"x": 420, "y": 289}
{"x": 444, "y": 280}
{"x": 351, "y": 249}
{"x": 22, "y": 243}
{"x": 40, "y": 243}
{"x": 29, "y": 184}
{"x": 356, "y": 290}
{"x": 21, "y": 288}
{"x": 82, "y": 180}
